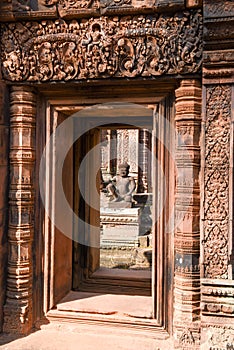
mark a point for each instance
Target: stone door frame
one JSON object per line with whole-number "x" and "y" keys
{"x": 21, "y": 97}
{"x": 162, "y": 319}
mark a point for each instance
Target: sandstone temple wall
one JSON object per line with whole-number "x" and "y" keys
{"x": 57, "y": 52}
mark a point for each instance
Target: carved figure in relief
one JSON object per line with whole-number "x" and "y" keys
{"x": 94, "y": 37}
{"x": 122, "y": 185}
{"x": 21, "y": 5}
{"x": 45, "y": 60}
{"x": 76, "y": 4}
{"x": 70, "y": 64}
{"x": 12, "y": 65}
{"x": 115, "y": 3}
{"x": 129, "y": 65}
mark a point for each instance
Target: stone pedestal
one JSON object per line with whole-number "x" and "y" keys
{"x": 120, "y": 227}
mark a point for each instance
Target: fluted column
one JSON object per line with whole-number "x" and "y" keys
{"x": 18, "y": 306}
{"x": 187, "y": 206}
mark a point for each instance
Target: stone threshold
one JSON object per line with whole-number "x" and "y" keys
{"x": 127, "y": 312}
{"x": 107, "y": 304}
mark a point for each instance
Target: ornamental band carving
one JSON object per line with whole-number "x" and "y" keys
{"x": 216, "y": 203}
{"x": 103, "y": 47}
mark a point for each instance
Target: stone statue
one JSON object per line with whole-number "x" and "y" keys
{"x": 122, "y": 185}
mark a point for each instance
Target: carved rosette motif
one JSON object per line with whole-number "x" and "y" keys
{"x": 187, "y": 207}
{"x": 216, "y": 178}
{"x": 18, "y": 306}
{"x": 103, "y": 47}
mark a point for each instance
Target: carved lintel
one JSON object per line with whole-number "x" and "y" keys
{"x": 121, "y": 47}
{"x": 18, "y": 306}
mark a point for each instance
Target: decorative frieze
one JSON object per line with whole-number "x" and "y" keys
{"x": 218, "y": 64}
{"x": 71, "y": 8}
{"x": 216, "y": 217}
{"x": 217, "y": 8}
{"x": 126, "y": 47}
{"x": 21, "y": 9}
{"x": 218, "y": 24}
{"x": 18, "y": 306}
{"x": 217, "y": 299}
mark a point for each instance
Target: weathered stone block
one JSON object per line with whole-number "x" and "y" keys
{"x": 121, "y": 227}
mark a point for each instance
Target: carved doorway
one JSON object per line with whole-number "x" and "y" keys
{"x": 78, "y": 270}
{"x": 112, "y": 264}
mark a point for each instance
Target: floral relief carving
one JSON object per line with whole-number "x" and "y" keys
{"x": 219, "y": 338}
{"x": 102, "y": 47}
{"x": 216, "y": 205}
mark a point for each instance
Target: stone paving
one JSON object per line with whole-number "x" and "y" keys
{"x": 81, "y": 337}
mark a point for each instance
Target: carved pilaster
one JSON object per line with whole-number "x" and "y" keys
{"x": 187, "y": 235}
{"x": 217, "y": 229}
{"x": 4, "y": 129}
{"x": 144, "y": 185}
{"x": 217, "y": 306}
{"x": 216, "y": 215}
{"x": 18, "y": 306}
{"x": 127, "y": 149}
